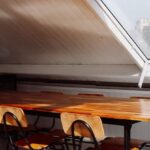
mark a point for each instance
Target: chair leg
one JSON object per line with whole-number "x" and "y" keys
{"x": 73, "y": 143}
{"x": 66, "y": 144}
{"x": 80, "y": 143}
{"x": 12, "y": 147}
{"x": 77, "y": 143}
{"x": 56, "y": 146}
{"x": 146, "y": 144}
{"x": 7, "y": 148}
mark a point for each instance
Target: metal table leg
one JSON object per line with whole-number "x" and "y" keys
{"x": 127, "y": 136}
{"x": 127, "y": 124}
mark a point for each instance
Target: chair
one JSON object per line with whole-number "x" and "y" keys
{"x": 117, "y": 143}
{"x": 16, "y": 118}
{"x": 83, "y": 127}
{"x": 89, "y": 129}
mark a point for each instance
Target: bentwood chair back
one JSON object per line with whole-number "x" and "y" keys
{"x": 18, "y": 112}
{"x": 84, "y": 126}
{"x": 13, "y": 116}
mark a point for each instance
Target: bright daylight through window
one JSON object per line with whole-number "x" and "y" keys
{"x": 134, "y": 16}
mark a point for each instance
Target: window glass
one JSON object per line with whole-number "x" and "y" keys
{"x": 134, "y": 16}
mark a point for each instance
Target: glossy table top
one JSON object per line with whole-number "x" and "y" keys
{"x": 108, "y": 107}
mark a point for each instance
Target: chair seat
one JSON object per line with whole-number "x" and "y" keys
{"x": 117, "y": 143}
{"x": 14, "y": 119}
{"x": 38, "y": 141}
{"x": 58, "y": 133}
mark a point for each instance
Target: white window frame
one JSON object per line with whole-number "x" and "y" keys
{"x": 121, "y": 35}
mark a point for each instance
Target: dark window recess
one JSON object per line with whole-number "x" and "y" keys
{"x": 7, "y": 82}
{"x": 34, "y": 80}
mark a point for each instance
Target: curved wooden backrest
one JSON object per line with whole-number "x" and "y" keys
{"x": 93, "y": 121}
{"x": 18, "y": 112}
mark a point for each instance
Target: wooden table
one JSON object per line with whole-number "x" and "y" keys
{"x": 118, "y": 111}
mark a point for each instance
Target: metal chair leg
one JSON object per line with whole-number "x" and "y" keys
{"x": 66, "y": 144}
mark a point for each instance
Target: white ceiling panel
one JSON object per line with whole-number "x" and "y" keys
{"x": 56, "y": 32}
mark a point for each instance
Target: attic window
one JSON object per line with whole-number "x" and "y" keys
{"x": 131, "y": 19}
{"x": 134, "y": 17}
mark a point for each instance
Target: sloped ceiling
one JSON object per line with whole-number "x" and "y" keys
{"x": 66, "y": 32}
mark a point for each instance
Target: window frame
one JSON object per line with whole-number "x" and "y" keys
{"x": 122, "y": 36}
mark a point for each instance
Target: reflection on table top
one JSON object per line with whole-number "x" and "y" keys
{"x": 108, "y": 107}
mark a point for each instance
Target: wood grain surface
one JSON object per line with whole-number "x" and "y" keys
{"x": 108, "y": 107}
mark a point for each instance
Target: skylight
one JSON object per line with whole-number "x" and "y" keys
{"x": 134, "y": 17}
{"x": 130, "y": 23}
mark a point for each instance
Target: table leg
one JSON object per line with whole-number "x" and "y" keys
{"x": 127, "y": 137}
